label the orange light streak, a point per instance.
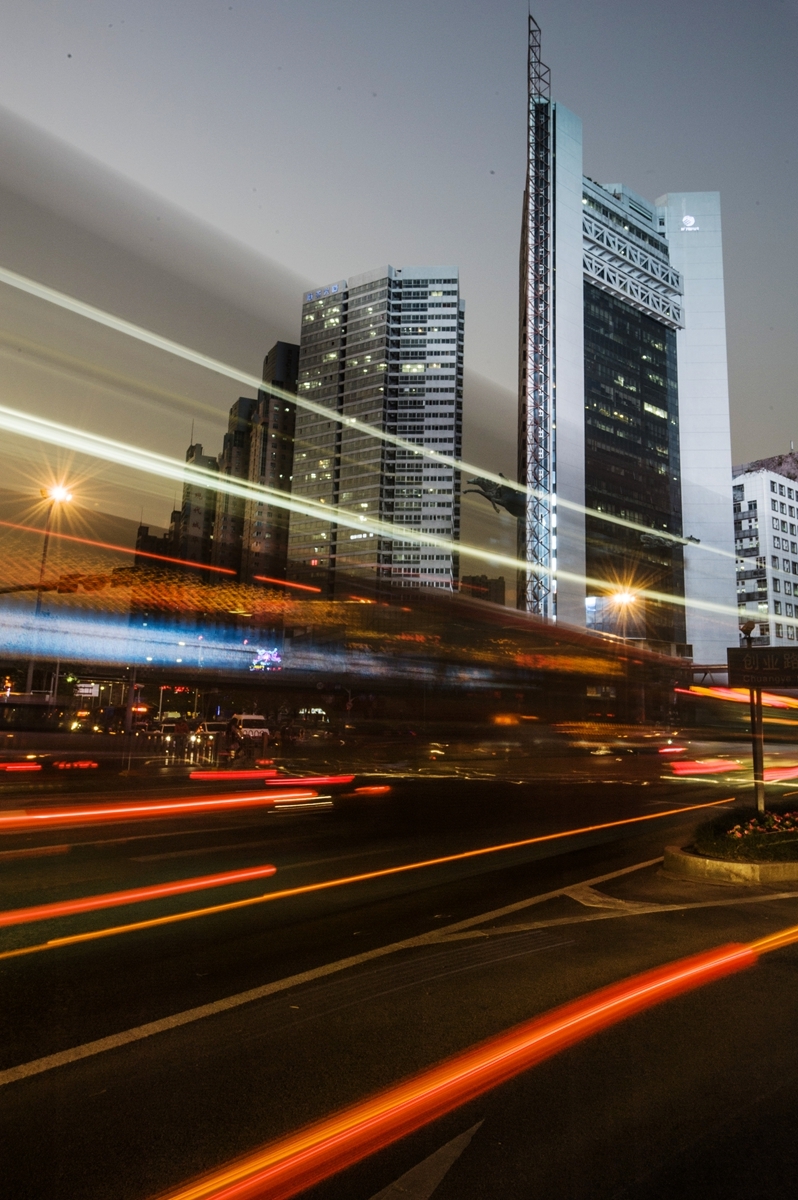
(27, 819)
(296, 1162)
(70, 537)
(739, 696)
(303, 587)
(66, 908)
(20, 766)
(368, 876)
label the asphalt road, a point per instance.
(359, 986)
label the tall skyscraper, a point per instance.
(228, 526)
(385, 347)
(195, 539)
(250, 537)
(623, 400)
(264, 538)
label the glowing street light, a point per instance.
(625, 602)
(57, 494)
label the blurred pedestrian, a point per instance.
(181, 737)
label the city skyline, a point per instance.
(700, 145)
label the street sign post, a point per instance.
(757, 667)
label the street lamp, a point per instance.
(625, 601)
(57, 494)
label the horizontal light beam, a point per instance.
(80, 308)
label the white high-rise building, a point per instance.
(385, 347)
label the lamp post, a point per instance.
(55, 495)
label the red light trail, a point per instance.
(327, 884)
(27, 819)
(709, 766)
(296, 1162)
(268, 776)
(66, 908)
(70, 537)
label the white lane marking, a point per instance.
(421, 1181)
(590, 898)
(641, 910)
(139, 1032)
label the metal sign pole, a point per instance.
(758, 748)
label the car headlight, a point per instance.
(168, 737)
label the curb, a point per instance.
(717, 870)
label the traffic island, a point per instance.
(740, 847)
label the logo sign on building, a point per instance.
(87, 689)
(689, 225)
(762, 667)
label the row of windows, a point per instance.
(781, 488)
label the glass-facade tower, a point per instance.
(623, 400)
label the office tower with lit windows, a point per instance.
(623, 400)
(766, 544)
(386, 348)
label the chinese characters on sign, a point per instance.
(763, 667)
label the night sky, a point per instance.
(193, 165)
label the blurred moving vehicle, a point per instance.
(207, 738)
(251, 725)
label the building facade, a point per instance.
(385, 347)
(264, 533)
(247, 537)
(766, 544)
(622, 397)
(481, 587)
(198, 510)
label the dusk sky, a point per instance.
(250, 148)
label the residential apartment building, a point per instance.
(386, 348)
(766, 545)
